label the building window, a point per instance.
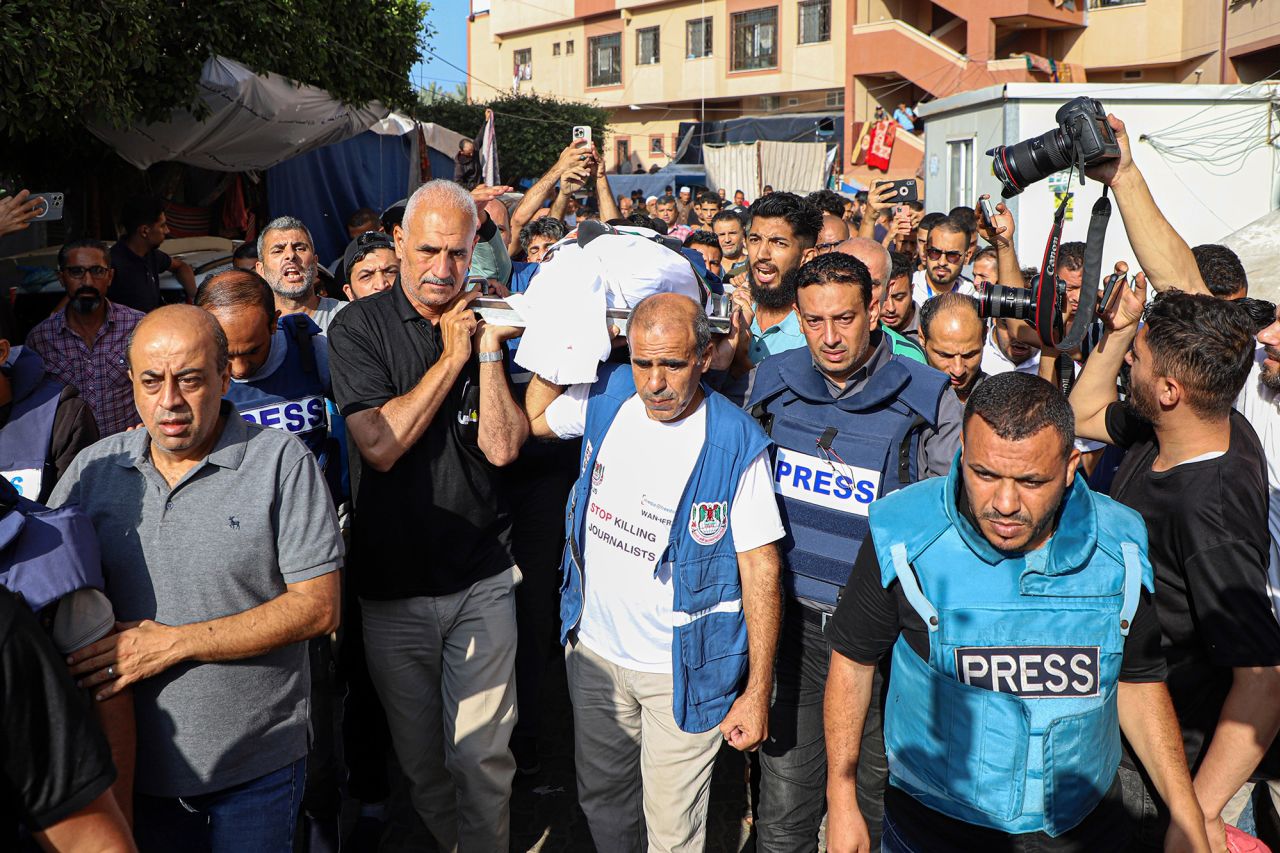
(836, 98)
(960, 172)
(655, 145)
(568, 47)
(755, 43)
(697, 38)
(523, 60)
(647, 46)
(769, 103)
(622, 152)
(555, 48)
(815, 21)
(606, 59)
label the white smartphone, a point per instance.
(582, 133)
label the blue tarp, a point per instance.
(675, 176)
(325, 186)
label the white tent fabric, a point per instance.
(254, 122)
(734, 166)
(798, 167)
(1258, 245)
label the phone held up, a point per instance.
(903, 190)
(582, 133)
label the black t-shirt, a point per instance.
(1209, 546)
(436, 522)
(865, 626)
(137, 279)
(54, 760)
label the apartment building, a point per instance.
(657, 63)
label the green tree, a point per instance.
(129, 61)
(532, 129)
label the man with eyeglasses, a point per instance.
(83, 344)
(834, 232)
(945, 254)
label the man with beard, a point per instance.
(952, 333)
(83, 345)
(420, 380)
(1196, 472)
(784, 232)
(287, 260)
(945, 253)
(1016, 604)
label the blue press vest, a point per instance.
(1012, 722)
(46, 553)
(708, 651)
(26, 437)
(834, 457)
(292, 398)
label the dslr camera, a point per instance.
(1082, 137)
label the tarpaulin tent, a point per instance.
(785, 127)
(254, 122)
(374, 169)
(799, 167)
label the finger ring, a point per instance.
(111, 671)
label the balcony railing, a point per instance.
(1108, 4)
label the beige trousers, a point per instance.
(642, 782)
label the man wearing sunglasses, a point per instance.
(945, 254)
(83, 344)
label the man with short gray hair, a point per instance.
(287, 260)
(420, 380)
(220, 551)
(671, 599)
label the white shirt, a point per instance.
(1261, 407)
(640, 474)
(922, 289)
(995, 362)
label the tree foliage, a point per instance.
(129, 61)
(532, 129)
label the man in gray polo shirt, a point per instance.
(220, 549)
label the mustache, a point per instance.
(1272, 353)
(428, 278)
(1020, 518)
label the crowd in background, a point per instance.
(301, 539)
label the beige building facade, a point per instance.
(655, 64)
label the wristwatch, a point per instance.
(486, 357)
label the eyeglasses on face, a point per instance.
(79, 272)
(935, 254)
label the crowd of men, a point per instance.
(863, 535)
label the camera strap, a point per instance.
(1048, 316)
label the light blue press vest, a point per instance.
(1012, 723)
(709, 646)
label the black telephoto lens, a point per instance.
(1017, 303)
(1021, 165)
